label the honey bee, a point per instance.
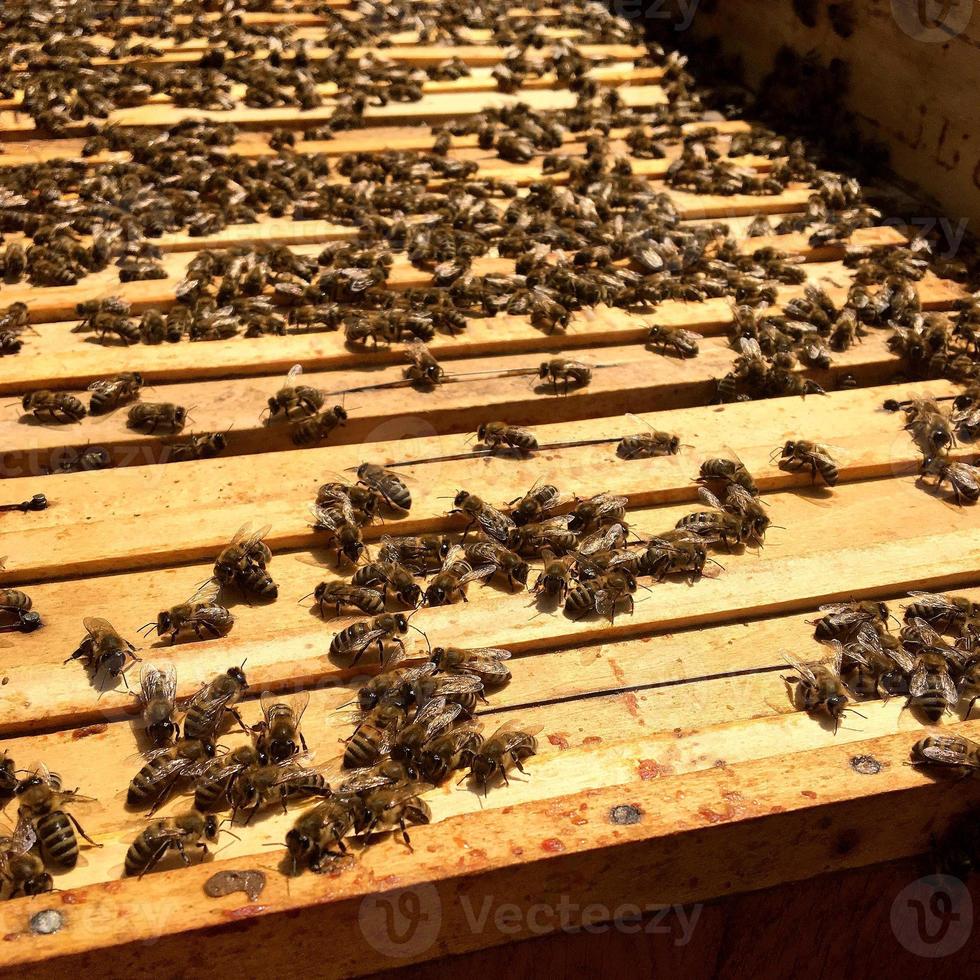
(340, 522)
(41, 802)
(750, 508)
(422, 554)
(354, 640)
(570, 373)
(206, 710)
(431, 719)
(963, 478)
(388, 575)
(727, 471)
(717, 525)
(374, 734)
(103, 649)
(20, 866)
(389, 485)
(555, 579)
(54, 406)
(496, 434)
(944, 613)
(245, 551)
(602, 509)
(449, 584)
(190, 829)
(15, 606)
(151, 417)
(510, 745)
(818, 687)
(449, 752)
(424, 370)
(672, 340)
(319, 427)
(800, 453)
(842, 620)
(501, 560)
(363, 501)
(535, 504)
(111, 393)
(486, 663)
(165, 767)
(158, 693)
(931, 688)
(201, 615)
(672, 553)
(955, 752)
(602, 594)
(931, 431)
(387, 807)
(339, 594)
(294, 401)
(552, 534)
(490, 520)
(279, 736)
(84, 461)
(206, 445)
(649, 444)
(311, 839)
(262, 783)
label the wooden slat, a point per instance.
(632, 381)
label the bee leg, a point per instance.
(155, 858)
(80, 829)
(405, 837)
(969, 710)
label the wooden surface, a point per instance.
(678, 711)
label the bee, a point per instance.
(944, 613)
(433, 718)
(246, 549)
(671, 340)
(354, 640)
(294, 401)
(818, 687)
(555, 579)
(424, 370)
(491, 521)
(449, 584)
(800, 453)
(214, 778)
(553, 533)
(496, 434)
(41, 802)
(364, 501)
(602, 594)
(206, 710)
(751, 509)
(190, 829)
(389, 485)
(158, 693)
(20, 866)
(201, 615)
(968, 683)
(388, 575)
(340, 522)
(649, 444)
(279, 736)
(206, 445)
(842, 620)
(321, 828)
(390, 687)
(387, 807)
(535, 504)
(15, 606)
(570, 373)
(501, 560)
(963, 478)
(449, 752)
(103, 649)
(260, 784)
(374, 735)
(931, 688)
(717, 524)
(602, 509)
(510, 745)
(486, 663)
(111, 393)
(955, 752)
(674, 552)
(339, 594)
(931, 431)
(727, 471)
(165, 768)
(151, 417)
(422, 553)
(84, 461)
(54, 406)
(319, 427)
(424, 685)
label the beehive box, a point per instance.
(672, 767)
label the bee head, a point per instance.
(543, 370)
(30, 621)
(180, 415)
(26, 402)
(162, 731)
(218, 441)
(39, 884)
(435, 595)
(238, 675)
(164, 622)
(211, 827)
(340, 412)
(401, 622)
(480, 432)
(457, 501)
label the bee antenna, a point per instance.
(148, 626)
(301, 598)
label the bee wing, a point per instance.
(294, 372)
(801, 668)
(479, 572)
(750, 346)
(496, 524)
(919, 681)
(607, 502)
(96, 627)
(636, 418)
(157, 683)
(437, 714)
(837, 658)
(454, 556)
(298, 703)
(557, 523)
(966, 474)
(513, 733)
(738, 497)
(601, 540)
(207, 594)
(948, 688)
(928, 635)
(460, 684)
(325, 517)
(24, 836)
(370, 636)
(708, 498)
(253, 539)
(240, 534)
(948, 751)
(361, 780)
(104, 384)
(902, 659)
(418, 352)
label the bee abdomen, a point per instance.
(579, 600)
(140, 855)
(58, 843)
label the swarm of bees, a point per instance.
(932, 661)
